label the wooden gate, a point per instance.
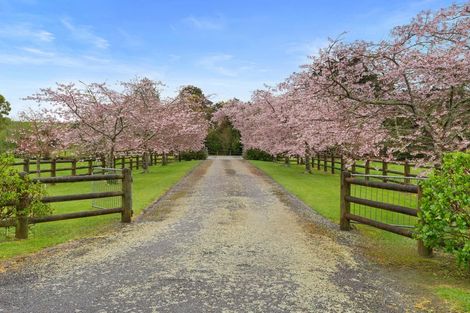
(392, 207)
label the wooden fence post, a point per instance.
(422, 249)
(26, 166)
(318, 161)
(131, 162)
(342, 164)
(344, 223)
(74, 167)
(332, 164)
(324, 163)
(406, 172)
(384, 170)
(90, 167)
(126, 215)
(353, 167)
(53, 168)
(21, 231)
(367, 169)
(123, 162)
(137, 163)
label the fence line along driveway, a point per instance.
(225, 239)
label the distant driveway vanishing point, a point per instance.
(225, 239)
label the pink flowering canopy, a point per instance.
(98, 120)
(406, 95)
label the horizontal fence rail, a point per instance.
(373, 167)
(76, 166)
(21, 221)
(388, 206)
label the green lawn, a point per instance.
(321, 191)
(459, 298)
(146, 188)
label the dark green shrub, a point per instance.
(13, 188)
(194, 155)
(445, 207)
(257, 154)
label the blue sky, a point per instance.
(228, 48)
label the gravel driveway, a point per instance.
(225, 239)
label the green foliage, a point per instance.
(257, 154)
(198, 101)
(224, 139)
(5, 107)
(445, 207)
(15, 189)
(8, 128)
(194, 155)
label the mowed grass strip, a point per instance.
(146, 188)
(321, 191)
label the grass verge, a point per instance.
(320, 191)
(146, 188)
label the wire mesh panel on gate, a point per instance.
(397, 198)
(106, 186)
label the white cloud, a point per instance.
(174, 57)
(36, 58)
(85, 34)
(38, 51)
(214, 63)
(24, 31)
(129, 39)
(205, 23)
(307, 48)
(227, 65)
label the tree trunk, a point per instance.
(164, 159)
(110, 159)
(38, 166)
(287, 161)
(145, 162)
(308, 168)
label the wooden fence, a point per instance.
(22, 220)
(408, 196)
(76, 166)
(331, 163)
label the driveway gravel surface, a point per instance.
(224, 239)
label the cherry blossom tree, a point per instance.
(407, 95)
(95, 116)
(414, 86)
(39, 134)
(102, 121)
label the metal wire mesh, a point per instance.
(105, 186)
(404, 199)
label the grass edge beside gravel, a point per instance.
(147, 188)
(320, 191)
